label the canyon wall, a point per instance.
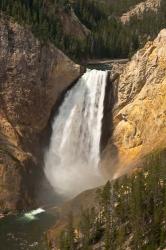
(140, 9)
(139, 112)
(33, 76)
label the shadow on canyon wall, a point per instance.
(107, 125)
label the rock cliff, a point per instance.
(140, 9)
(139, 112)
(33, 75)
(72, 26)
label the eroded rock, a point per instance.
(140, 9)
(139, 114)
(33, 76)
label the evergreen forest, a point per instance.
(129, 212)
(108, 37)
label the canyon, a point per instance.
(54, 111)
(33, 79)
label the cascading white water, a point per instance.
(71, 162)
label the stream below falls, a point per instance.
(25, 231)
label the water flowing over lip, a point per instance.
(71, 162)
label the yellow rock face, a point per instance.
(140, 112)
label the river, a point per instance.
(25, 231)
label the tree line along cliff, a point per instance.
(99, 34)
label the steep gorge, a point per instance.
(34, 77)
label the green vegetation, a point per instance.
(109, 38)
(43, 19)
(132, 211)
(67, 237)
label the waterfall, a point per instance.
(71, 162)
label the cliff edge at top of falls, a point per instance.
(139, 112)
(32, 78)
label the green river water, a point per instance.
(25, 232)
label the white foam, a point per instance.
(32, 214)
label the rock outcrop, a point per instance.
(32, 78)
(72, 26)
(140, 9)
(139, 113)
